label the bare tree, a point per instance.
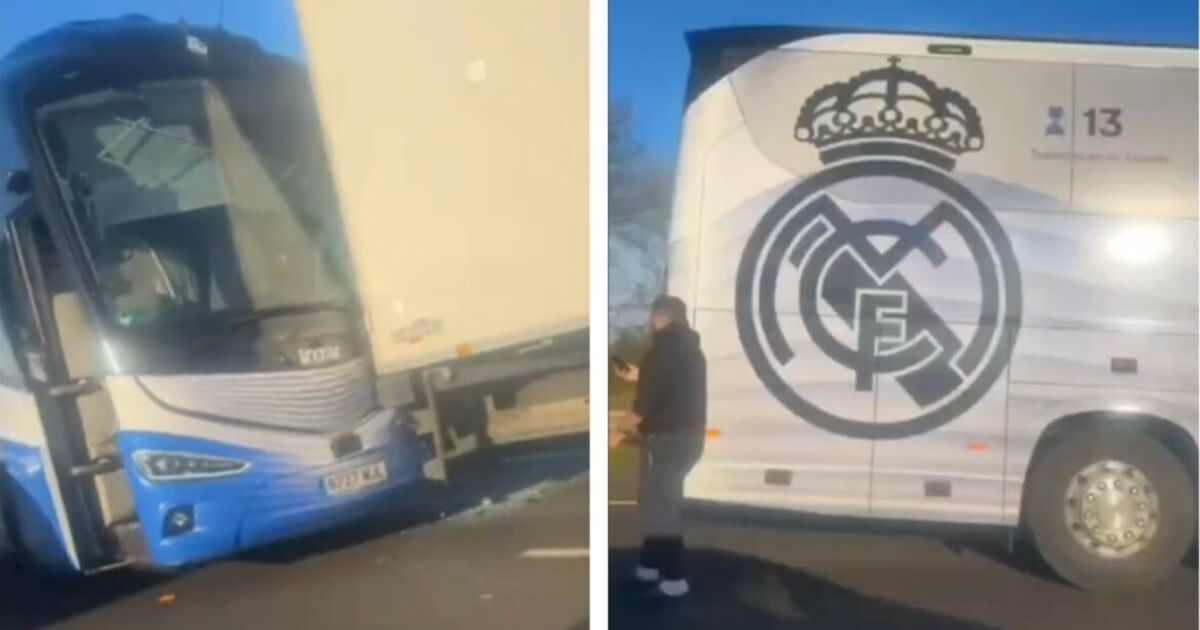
(639, 200)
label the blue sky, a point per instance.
(647, 58)
(272, 22)
(648, 61)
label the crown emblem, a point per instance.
(897, 110)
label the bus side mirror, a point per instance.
(18, 182)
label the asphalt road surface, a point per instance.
(509, 552)
(752, 570)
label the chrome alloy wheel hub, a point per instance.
(1111, 509)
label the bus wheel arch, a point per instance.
(1086, 448)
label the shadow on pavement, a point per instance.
(987, 541)
(474, 481)
(1022, 557)
(737, 591)
(29, 600)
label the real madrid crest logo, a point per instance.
(808, 256)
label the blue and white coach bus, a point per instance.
(183, 371)
(948, 279)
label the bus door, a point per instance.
(60, 352)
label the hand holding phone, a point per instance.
(624, 369)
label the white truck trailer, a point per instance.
(458, 137)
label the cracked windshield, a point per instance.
(294, 314)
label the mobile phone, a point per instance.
(619, 364)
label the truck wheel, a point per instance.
(1109, 511)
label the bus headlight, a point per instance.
(162, 466)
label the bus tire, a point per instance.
(1071, 472)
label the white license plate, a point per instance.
(355, 479)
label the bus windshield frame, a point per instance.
(199, 205)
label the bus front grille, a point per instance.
(320, 400)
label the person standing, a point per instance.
(669, 412)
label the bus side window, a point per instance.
(11, 372)
(24, 333)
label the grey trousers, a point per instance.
(666, 459)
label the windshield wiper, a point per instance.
(282, 311)
(231, 323)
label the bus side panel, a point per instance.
(1111, 282)
(27, 486)
(965, 457)
(1135, 131)
(955, 472)
(759, 440)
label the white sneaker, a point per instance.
(673, 588)
(646, 574)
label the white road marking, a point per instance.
(555, 554)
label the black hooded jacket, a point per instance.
(672, 388)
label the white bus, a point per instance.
(184, 367)
(949, 280)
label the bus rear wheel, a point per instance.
(1111, 511)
